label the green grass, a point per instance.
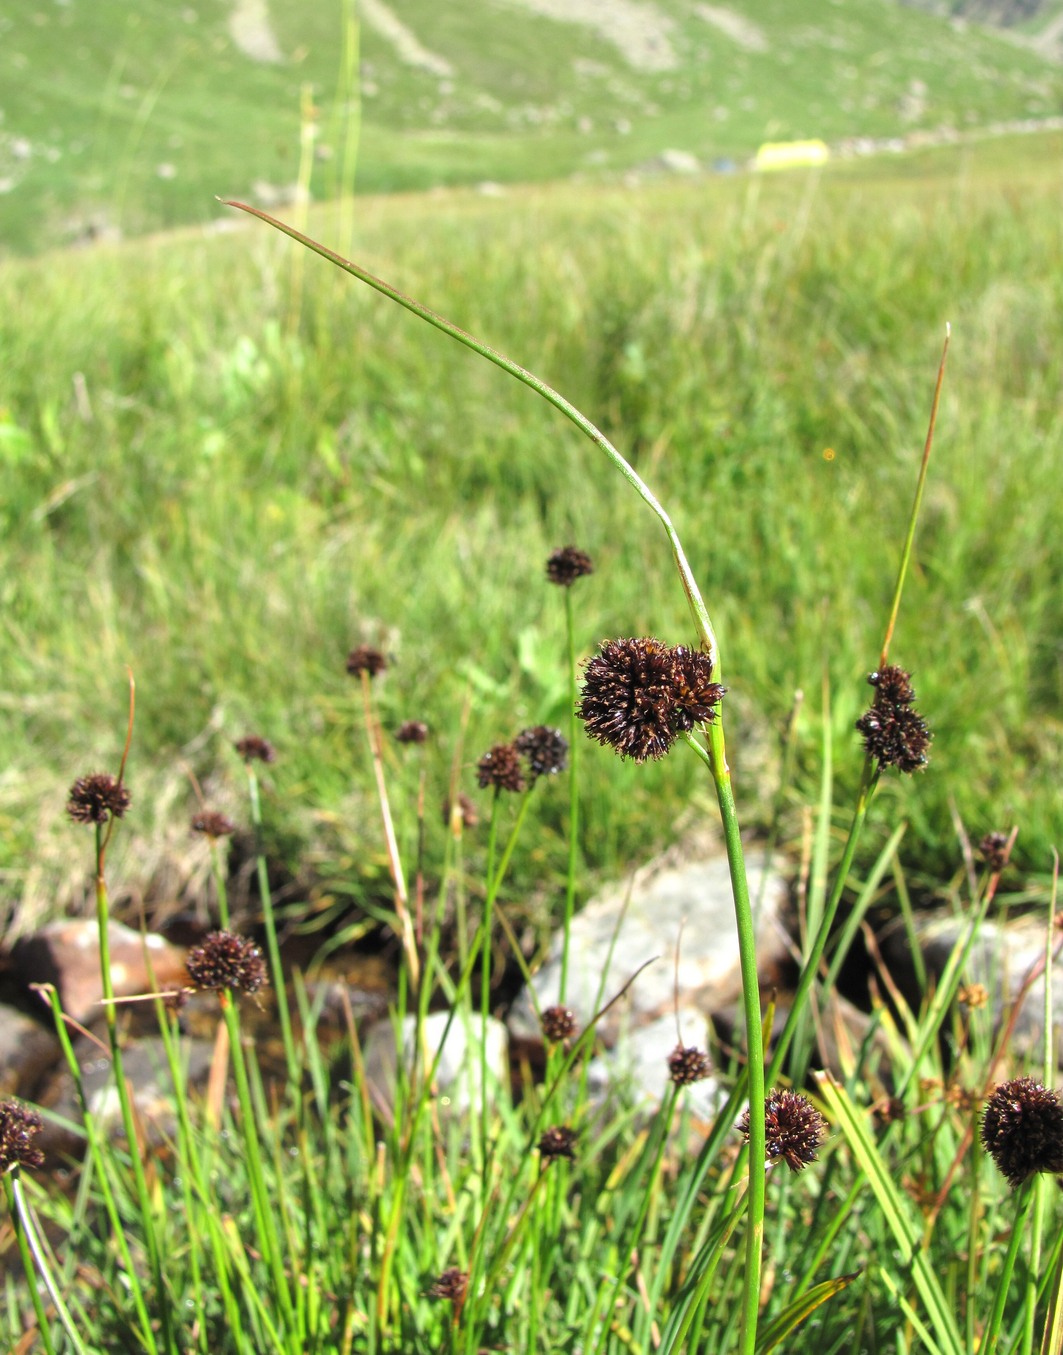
(134, 119)
(290, 1217)
(253, 494)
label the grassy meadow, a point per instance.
(120, 119)
(224, 464)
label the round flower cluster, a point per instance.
(687, 1064)
(365, 659)
(1022, 1129)
(793, 1128)
(97, 798)
(500, 767)
(412, 731)
(225, 960)
(640, 695)
(560, 1141)
(558, 1023)
(544, 749)
(19, 1126)
(212, 824)
(254, 748)
(893, 730)
(451, 1285)
(567, 565)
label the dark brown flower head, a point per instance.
(793, 1128)
(893, 731)
(893, 686)
(212, 824)
(225, 960)
(567, 565)
(546, 750)
(413, 731)
(639, 696)
(889, 1110)
(558, 1023)
(1022, 1130)
(500, 767)
(365, 659)
(19, 1126)
(254, 748)
(972, 995)
(696, 695)
(462, 814)
(897, 736)
(996, 850)
(687, 1064)
(97, 798)
(560, 1141)
(451, 1285)
(627, 702)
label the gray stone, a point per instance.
(678, 162)
(66, 953)
(148, 1075)
(27, 1050)
(457, 1080)
(636, 1068)
(1001, 958)
(608, 943)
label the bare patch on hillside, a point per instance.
(252, 33)
(742, 31)
(640, 32)
(407, 46)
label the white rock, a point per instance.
(457, 1079)
(696, 897)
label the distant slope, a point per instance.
(126, 118)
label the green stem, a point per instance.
(34, 1262)
(119, 1231)
(551, 396)
(1026, 1194)
(573, 795)
(868, 781)
(913, 517)
(125, 1100)
(747, 952)
(267, 1233)
(272, 946)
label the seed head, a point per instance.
(213, 825)
(451, 1285)
(995, 849)
(639, 696)
(889, 1110)
(97, 798)
(793, 1128)
(687, 1064)
(1022, 1130)
(254, 748)
(567, 565)
(893, 731)
(19, 1126)
(558, 1023)
(413, 731)
(893, 686)
(467, 814)
(500, 767)
(546, 750)
(365, 659)
(560, 1141)
(225, 960)
(696, 695)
